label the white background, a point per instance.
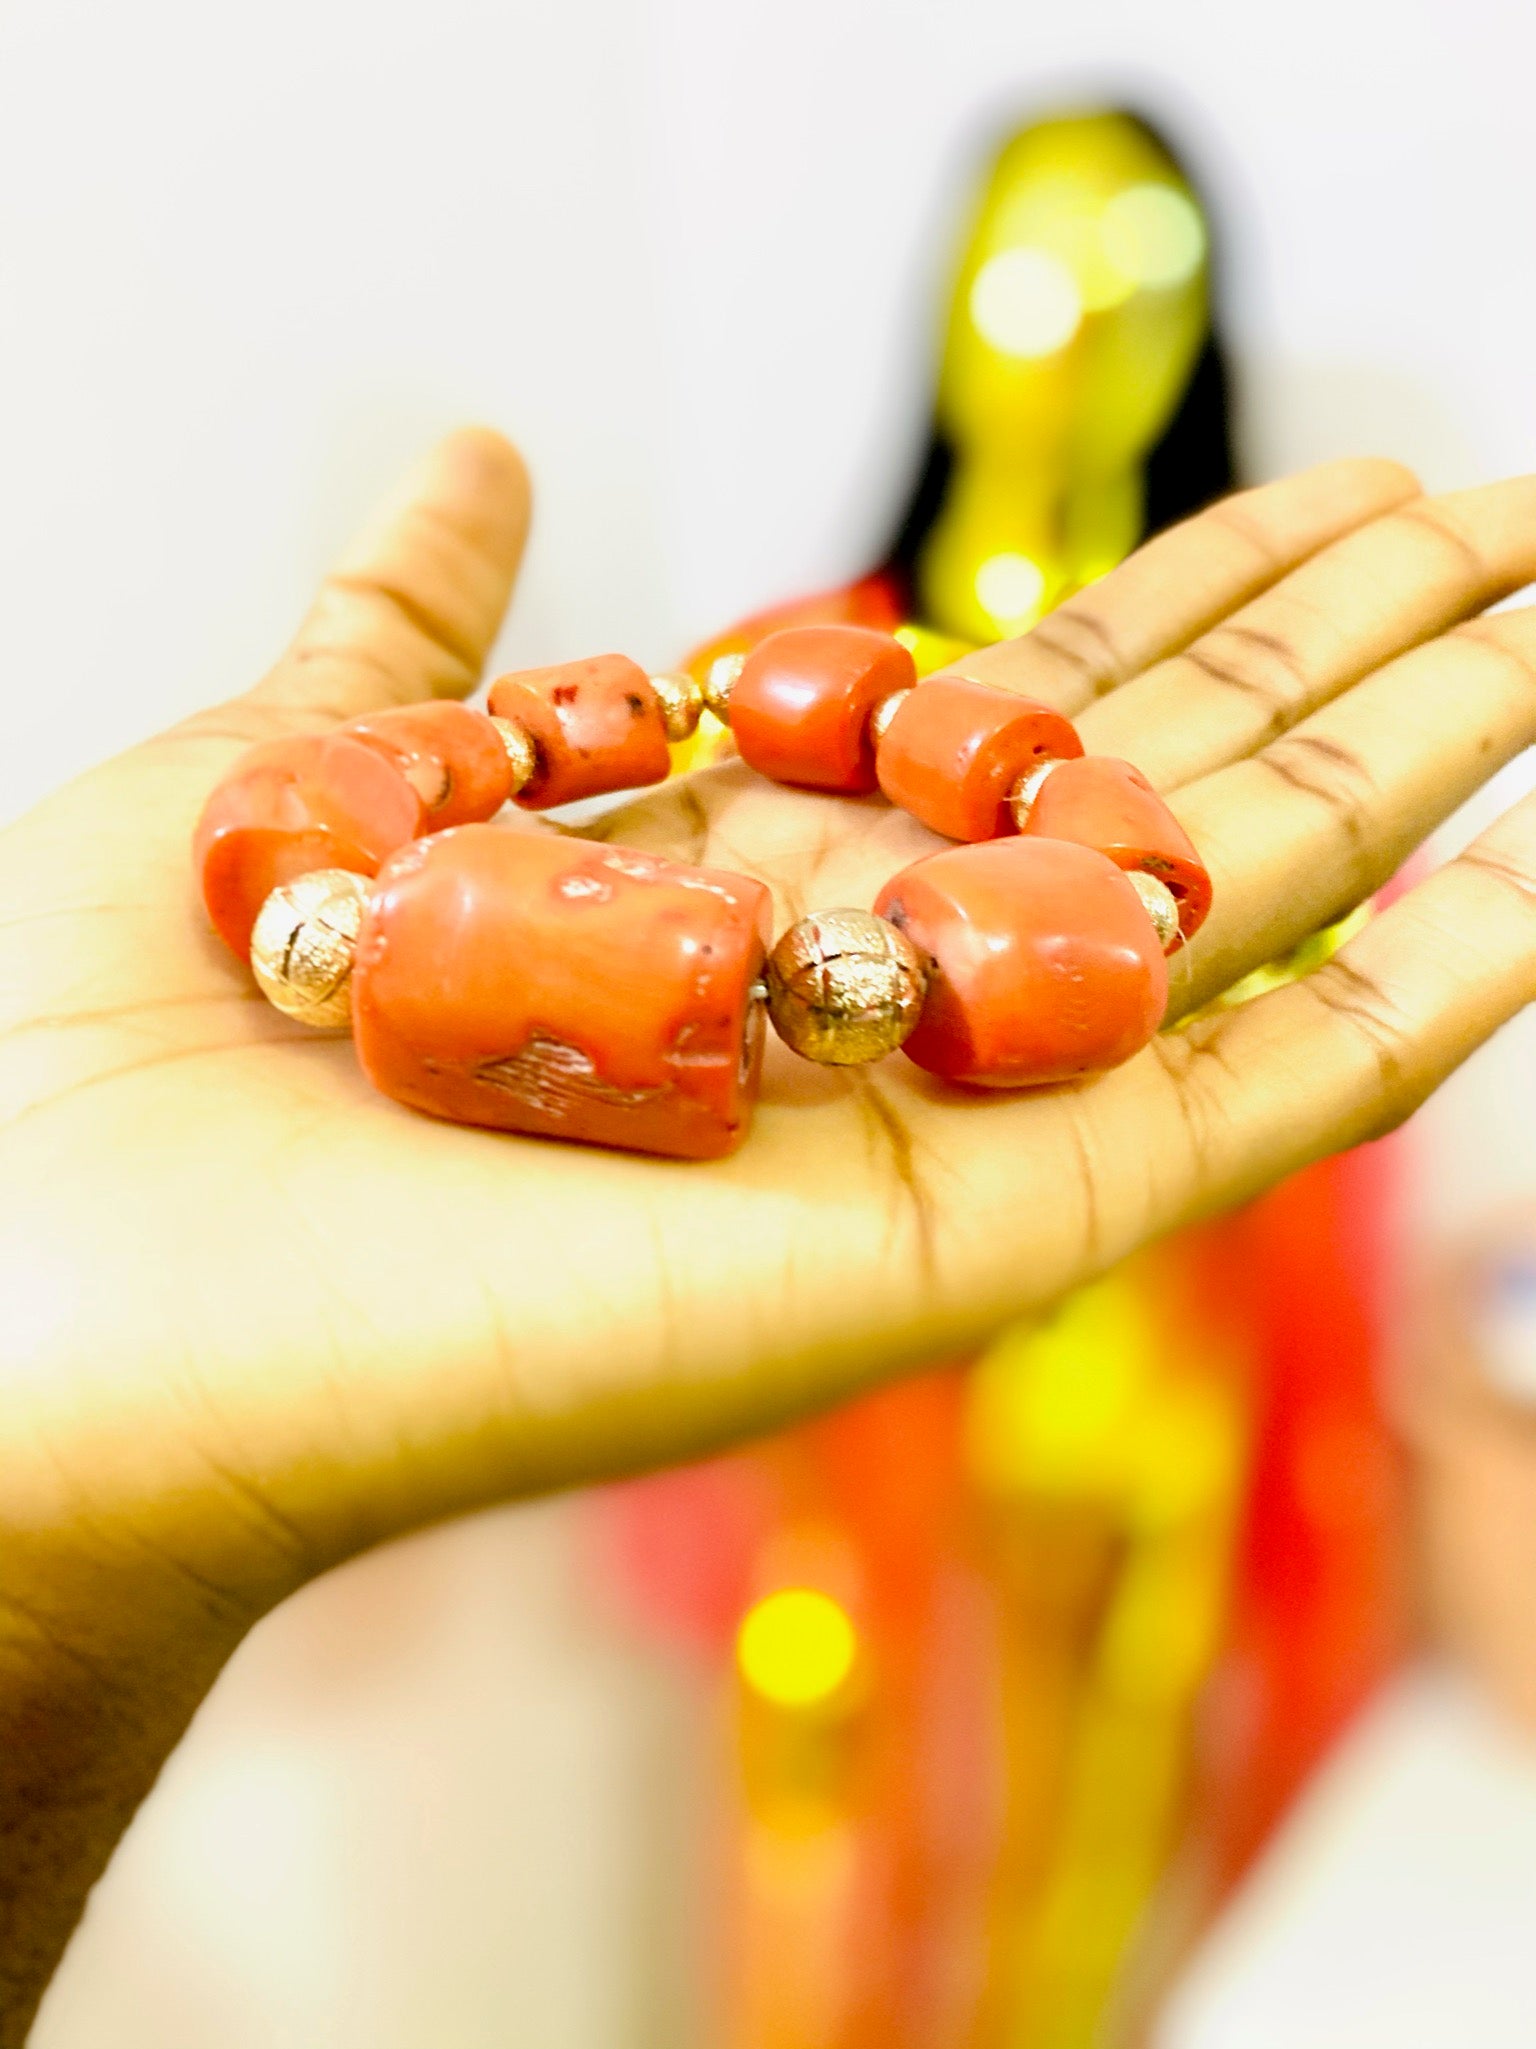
(250, 260)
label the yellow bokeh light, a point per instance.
(1290, 967)
(1010, 589)
(796, 1647)
(1057, 1409)
(1153, 235)
(1026, 303)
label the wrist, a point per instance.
(103, 1662)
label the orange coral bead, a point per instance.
(800, 708)
(291, 806)
(873, 601)
(1111, 806)
(452, 758)
(597, 725)
(1045, 965)
(556, 986)
(956, 748)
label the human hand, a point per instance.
(256, 1318)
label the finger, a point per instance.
(1181, 584)
(1298, 834)
(1294, 836)
(1377, 592)
(1348, 1053)
(413, 606)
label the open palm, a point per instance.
(257, 1317)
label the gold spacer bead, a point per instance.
(522, 751)
(1161, 907)
(845, 987)
(682, 702)
(303, 942)
(1021, 798)
(880, 718)
(720, 682)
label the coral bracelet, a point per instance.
(547, 984)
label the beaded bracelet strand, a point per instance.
(568, 988)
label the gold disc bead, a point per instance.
(719, 682)
(682, 702)
(303, 942)
(1161, 907)
(845, 987)
(522, 751)
(880, 718)
(1021, 798)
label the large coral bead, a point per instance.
(560, 987)
(956, 749)
(801, 707)
(1045, 966)
(1109, 805)
(291, 806)
(597, 725)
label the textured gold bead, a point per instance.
(720, 682)
(522, 752)
(1161, 906)
(1021, 798)
(845, 987)
(681, 700)
(302, 945)
(880, 718)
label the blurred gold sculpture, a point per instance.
(1078, 313)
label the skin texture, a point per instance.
(257, 1318)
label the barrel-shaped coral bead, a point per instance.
(800, 709)
(1109, 805)
(556, 986)
(597, 724)
(956, 748)
(451, 756)
(289, 807)
(1045, 965)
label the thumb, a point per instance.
(414, 604)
